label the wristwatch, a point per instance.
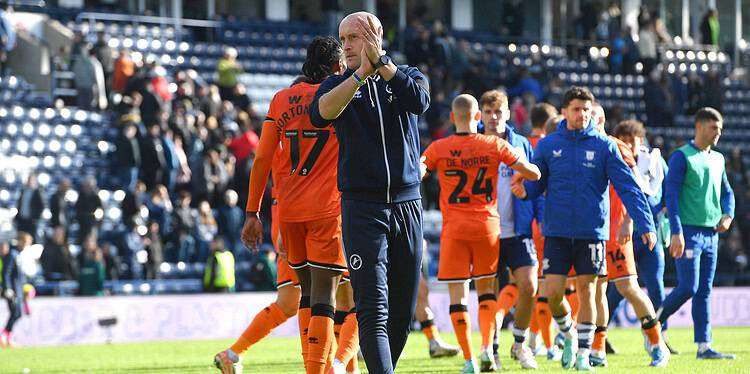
(382, 61)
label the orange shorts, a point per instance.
(620, 260)
(285, 276)
(536, 235)
(314, 243)
(462, 259)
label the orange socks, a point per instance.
(572, 297)
(349, 341)
(462, 327)
(544, 319)
(600, 338)
(652, 329)
(319, 338)
(487, 312)
(508, 297)
(429, 329)
(303, 319)
(266, 320)
(534, 325)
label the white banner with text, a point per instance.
(83, 320)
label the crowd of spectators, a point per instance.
(182, 155)
(184, 147)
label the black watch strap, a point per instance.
(379, 64)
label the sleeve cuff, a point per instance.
(398, 82)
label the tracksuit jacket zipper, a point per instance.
(382, 133)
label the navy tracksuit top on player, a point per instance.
(12, 276)
(378, 135)
(381, 209)
(577, 167)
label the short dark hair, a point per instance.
(322, 53)
(577, 93)
(540, 113)
(708, 114)
(629, 127)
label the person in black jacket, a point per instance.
(374, 107)
(128, 156)
(86, 206)
(230, 218)
(131, 205)
(11, 290)
(56, 260)
(183, 226)
(58, 206)
(30, 207)
(153, 157)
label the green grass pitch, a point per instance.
(282, 355)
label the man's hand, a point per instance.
(625, 233)
(649, 239)
(677, 247)
(252, 232)
(365, 68)
(516, 186)
(373, 42)
(723, 224)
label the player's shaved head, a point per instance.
(464, 104)
(465, 113)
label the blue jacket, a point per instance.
(12, 276)
(577, 167)
(230, 220)
(524, 211)
(378, 136)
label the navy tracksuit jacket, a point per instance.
(378, 175)
(12, 278)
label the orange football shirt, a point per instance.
(617, 209)
(306, 163)
(467, 167)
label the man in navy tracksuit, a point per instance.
(374, 107)
(11, 289)
(577, 165)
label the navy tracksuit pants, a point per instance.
(695, 278)
(383, 245)
(14, 311)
